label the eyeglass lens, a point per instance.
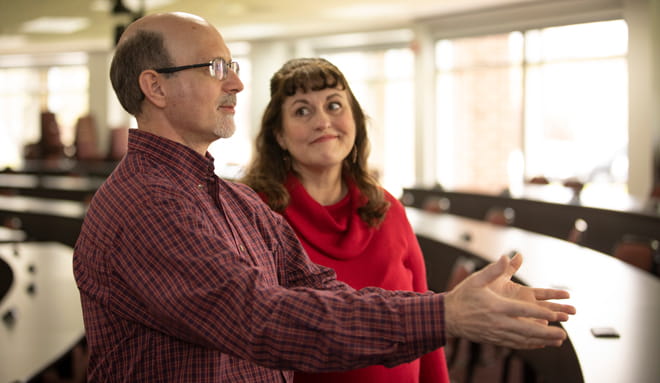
(221, 67)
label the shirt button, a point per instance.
(242, 248)
(200, 186)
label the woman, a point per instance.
(310, 165)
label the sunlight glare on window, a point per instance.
(591, 40)
(576, 95)
(68, 97)
(551, 93)
(19, 113)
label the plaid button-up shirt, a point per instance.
(185, 277)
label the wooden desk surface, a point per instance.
(605, 291)
(11, 235)
(66, 166)
(61, 182)
(48, 322)
(546, 210)
(73, 188)
(45, 219)
(45, 206)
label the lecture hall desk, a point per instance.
(41, 312)
(45, 219)
(76, 188)
(11, 235)
(605, 291)
(553, 209)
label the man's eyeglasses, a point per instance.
(217, 67)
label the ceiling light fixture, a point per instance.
(57, 25)
(120, 8)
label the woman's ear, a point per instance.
(280, 141)
(151, 85)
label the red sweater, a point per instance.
(388, 257)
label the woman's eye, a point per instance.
(334, 105)
(301, 112)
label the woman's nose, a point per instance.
(322, 120)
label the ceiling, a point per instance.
(90, 24)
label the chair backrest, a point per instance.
(462, 268)
(118, 143)
(539, 180)
(498, 215)
(578, 231)
(641, 252)
(655, 192)
(87, 147)
(435, 204)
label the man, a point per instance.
(185, 277)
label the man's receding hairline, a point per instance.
(150, 23)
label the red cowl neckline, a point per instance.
(337, 228)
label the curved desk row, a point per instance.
(553, 211)
(73, 188)
(65, 166)
(11, 235)
(605, 291)
(41, 312)
(45, 219)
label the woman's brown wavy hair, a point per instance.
(271, 164)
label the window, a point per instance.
(382, 81)
(479, 109)
(25, 92)
(576, 102)
(19, 112)
(522, 104)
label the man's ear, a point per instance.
(151, 85)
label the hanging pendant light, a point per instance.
(120, 8)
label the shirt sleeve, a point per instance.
(183, 276)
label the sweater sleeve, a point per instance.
(433, 366)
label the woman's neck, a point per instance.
(326, 188)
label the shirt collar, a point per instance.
(173, 154)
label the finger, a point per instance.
(527, 343)
(545, 294)
(559, 308)
(516, 262)
(535, 329)
(517, 308)
(524, 334)
(489, 273)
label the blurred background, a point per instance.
(479, 95)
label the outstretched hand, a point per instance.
(488, 307)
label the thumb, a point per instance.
(514, 264)
(490, 273)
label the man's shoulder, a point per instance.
(243, 197)
(140, 170)
(240, 188)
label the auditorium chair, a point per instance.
(436, 204)
(461, 354)
(578, 231)
(639, 251)
(539, 180)
(471, 362)
(503, 216)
